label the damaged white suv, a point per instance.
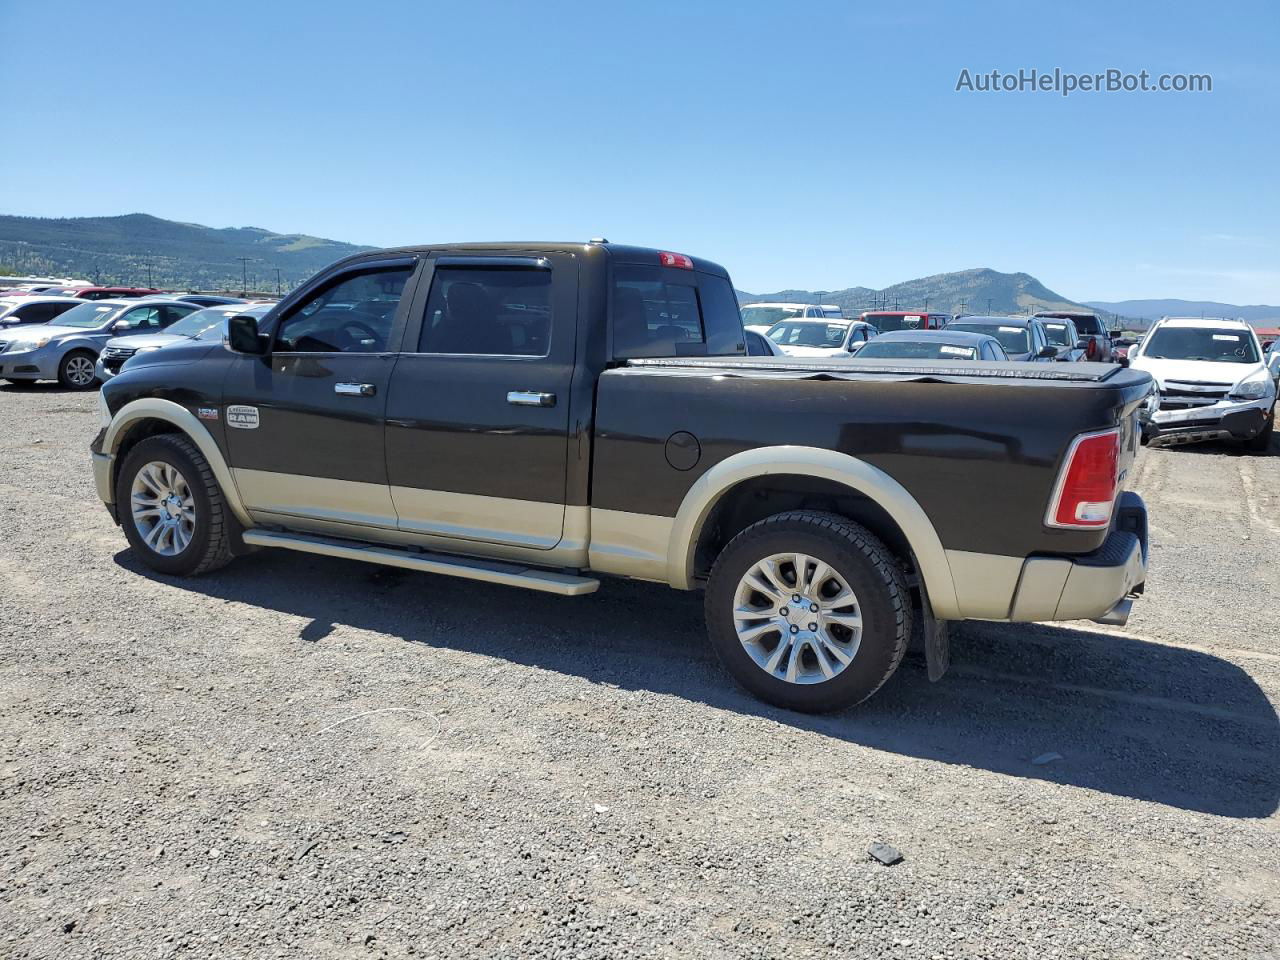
(1212, 379)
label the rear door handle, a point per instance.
(531, 398)
(355, 389)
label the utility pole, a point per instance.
(277, 281)
(149, 284)
(926, 304)
(989, 299)
(244, 274)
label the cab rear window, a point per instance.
(664, 312)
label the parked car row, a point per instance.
(911, 334)
(56, 330)
(88, 342)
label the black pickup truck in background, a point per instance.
(1093, 334)
(544, 414)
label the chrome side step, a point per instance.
(491, 571)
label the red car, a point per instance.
(104, 293)
(893, 320)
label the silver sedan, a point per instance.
(67, 351)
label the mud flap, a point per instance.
(937, 639)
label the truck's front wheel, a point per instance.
(172, 510)
(808, 611)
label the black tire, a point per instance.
(867, 567)
(68, 379)
(210, 546)
(1262, 442)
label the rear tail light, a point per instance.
(675, 260)
(1091, 348)
(1088, 484)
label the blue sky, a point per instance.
(816, 145)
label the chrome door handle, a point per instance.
(531, 398)
(354, 389)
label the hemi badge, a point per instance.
(207, 413)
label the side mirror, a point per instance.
(1047, 351)
(120, 325)
(1123, 361)
(243, 336)
(1082, 344)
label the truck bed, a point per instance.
(919, 370)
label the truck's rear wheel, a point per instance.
(172, 510)
(808, 611)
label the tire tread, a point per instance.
(218, 546)
(862, 540)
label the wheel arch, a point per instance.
(881, 504)
(152, 416)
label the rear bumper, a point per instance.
(1094, 586)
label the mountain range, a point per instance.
(138, 248)
(980, 290)
(1259, 313)
(142, 249)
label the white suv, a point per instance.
(1212, 379)
(761, 316)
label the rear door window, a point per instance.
(667, 312)
(488, 311)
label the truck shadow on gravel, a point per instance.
(1126, 717)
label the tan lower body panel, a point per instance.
(366, 511)
(985, 583)
(464, 516)
(630, 544)
(319, 498)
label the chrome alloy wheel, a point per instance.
(164, 510)
(80, 371)
(797, 618)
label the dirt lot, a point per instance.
(306, 757)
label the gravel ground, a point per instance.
(305, 757)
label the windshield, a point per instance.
(1058, 334)
(888, 322)
(1013, 339)
(1216, 344)
(917, 350)
(767, 316)
(88, 315)
(193, 323)
(810, 333)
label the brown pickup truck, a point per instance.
(545, 415)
